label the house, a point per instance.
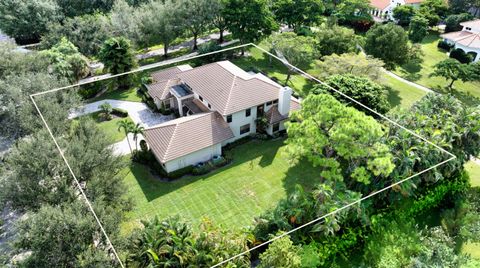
(384, 8)
(217, 104)
(468, 39)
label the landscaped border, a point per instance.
(305, 74)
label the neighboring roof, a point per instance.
(161, 90)
(295, 104)
(464, 38)
(229, 89)
(169, 73)
(273, 115)
(186, 135)
(380, 4)
(472, 23)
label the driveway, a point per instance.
(138, 112)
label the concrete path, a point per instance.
(153, 65)
(138, 112)
(426, 89)
(122, 147)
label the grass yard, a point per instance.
(126, 95)
(232, 196)
(419, 73)
(402, 94)
(109, 128)
(474, 170)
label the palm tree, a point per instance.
(137, 129)
(127, 127)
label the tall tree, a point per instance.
(87, 33)
(137, 130)
(67, 61)
(218, 11)
(159, 23)
(341, 141)
(359, 88)
(388, 42)
(249, 20)
(336, 39)
(118, 57)
(404, 14)
(196, 16)
(418, 29)
(125, 21)
(72, 8)
(351, 63)
(452, 22)
(298, 13)
(433, 11)
(26, 21)
(127, 127)
(452, 69)
(297, 50)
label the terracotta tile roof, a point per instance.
(229, 89)
(380, 4)
(273, 115)
(186, 135)
(161, 90)
(472, 23)
(468, 39)
(169, 73)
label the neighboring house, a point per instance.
(384, 8)
(468, 39)
(218, 103)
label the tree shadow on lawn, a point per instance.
(393, 97)
(301, 173)
(411, 70)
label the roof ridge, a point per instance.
(170, 142)
(230, 93)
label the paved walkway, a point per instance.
(138, 112)
(426, 89)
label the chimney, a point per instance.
(284, 95)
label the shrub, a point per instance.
(460, 55)
(204, 169)
(89, 91)
(120, 112)
(180, 172)
(444, 45)
(304, 31)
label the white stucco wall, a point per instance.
(194, 158)
(239, 119)
(281, 127)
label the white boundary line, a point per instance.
(167, 62)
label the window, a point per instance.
(200, 97)
(269, 103)
(229, 118)
(167, 105)
(247, 112)
(275, 101)
(276, 127)
(244, 129)
(469, 29)
(209, 106)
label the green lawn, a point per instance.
(419, 73)
(259, 176)
(474, 170)
(126, 95)
(109, 128)
(402, 94)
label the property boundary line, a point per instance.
(173, 61)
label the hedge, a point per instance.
(120, 112)
(444, 45)
(460, 55)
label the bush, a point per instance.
(120, 112)
(304, 31)
(89, 91)
(444, 45)
(180, 172)
(240, 141)
(203, 169)
(460, 55)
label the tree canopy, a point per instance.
(351, 63)
(388, 42)
(298, 13)
(336, 39)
